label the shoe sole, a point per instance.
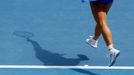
(113, 62)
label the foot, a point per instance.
(93, 43)
(114, 53)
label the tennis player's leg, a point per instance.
(93, 40)
(97, 31)
(100, 15)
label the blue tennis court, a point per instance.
(57, 31)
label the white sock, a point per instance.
(110, 46)
(111, 49)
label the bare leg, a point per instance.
(97, 32)
(100, 15)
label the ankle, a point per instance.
(110, 47)
(94, 38)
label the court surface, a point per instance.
(59, 29)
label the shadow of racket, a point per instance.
(23, 34)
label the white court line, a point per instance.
(65, 67)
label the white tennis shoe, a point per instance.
(93, 43)
(113, 56)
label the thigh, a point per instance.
(99, 10)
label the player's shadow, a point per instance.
(55, 59)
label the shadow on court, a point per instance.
(85, 71)
(53, 59)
